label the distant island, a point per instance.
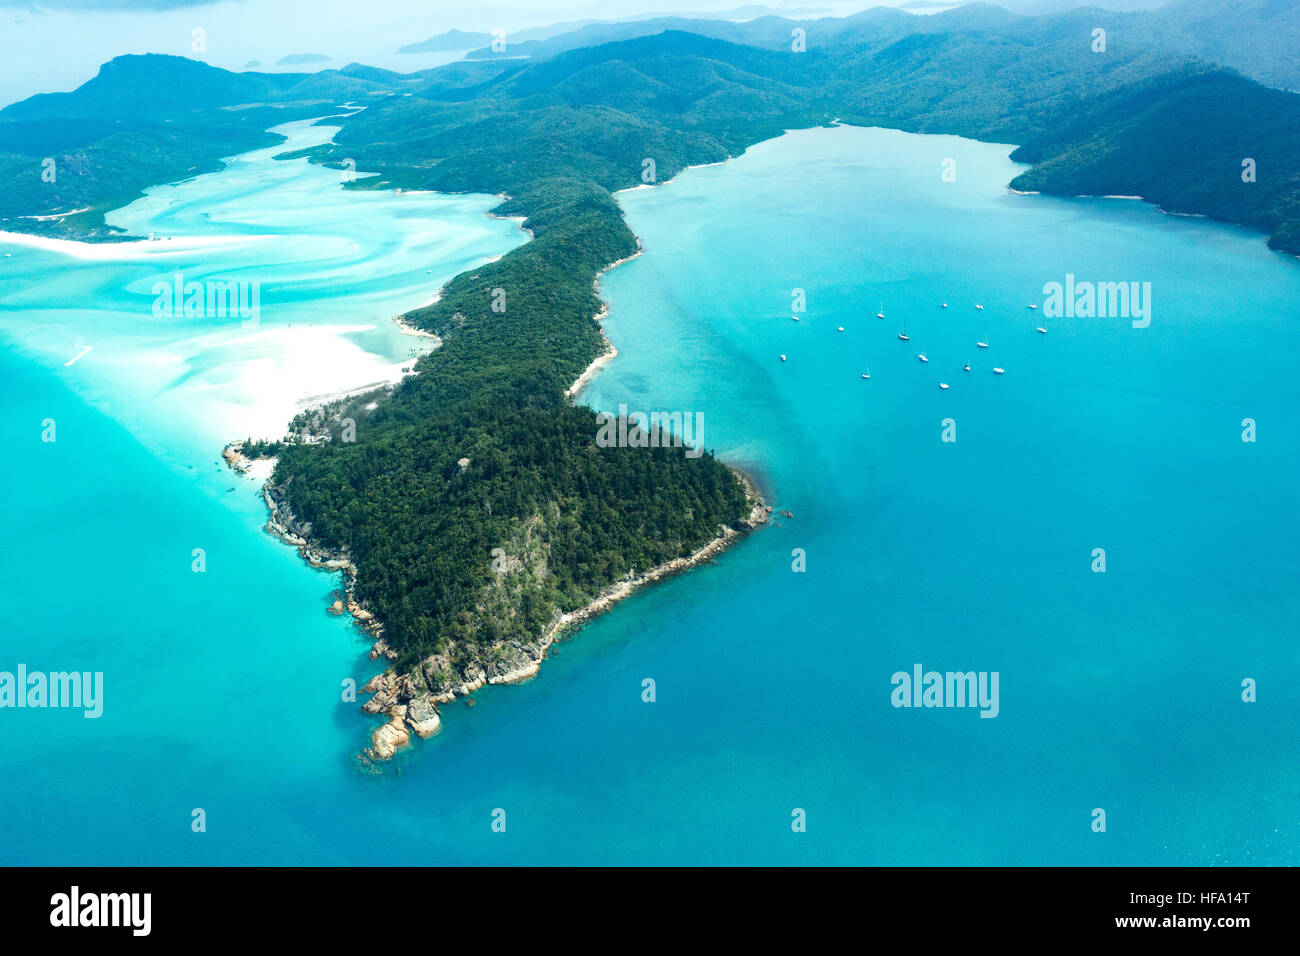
(451, 40)
(301, 59)
(473, 513)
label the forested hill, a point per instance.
(1102, 119)
(598, 111)
(1255, 37)
(558, 136)
(482, 451)
(145, 120)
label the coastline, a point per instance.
(600, 361)
(610, 352)
(410, 709)
(124, 248)
(399, 697)
(410, 700)
(406, 328)
(406, 699)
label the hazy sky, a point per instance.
(49, 45)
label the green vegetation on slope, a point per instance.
(559, 136)
(141, 121)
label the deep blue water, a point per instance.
(1118, 690)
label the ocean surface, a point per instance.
(1118, 690)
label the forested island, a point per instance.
(472, 508)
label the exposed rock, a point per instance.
(389, 738)
(423, 717)
(474, 678)
(406, 689)
(376, 682)
(384, 687)
(516, 663)
(234, 456)
(337, 608)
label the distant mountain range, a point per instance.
(1261, 38)
(1038, 7)
(302, 59)
(1256, 37)
(977, 70)
(526, 39)
(451, 40)
(149, 119)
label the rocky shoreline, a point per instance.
(411, 700)
(285, 525)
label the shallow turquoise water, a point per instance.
(1118, 690)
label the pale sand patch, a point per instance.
(311, 366)
(118, 251)
(590, 372)
(260, 470)
(251, 383)
(56, 215)
(610, 353)
(406, 328)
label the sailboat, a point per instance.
(782, 358)
(922, 356)
(967, 365)
(945, 305)
(867, 373)
(944, 386)
(903, 334)
(881, 313)
(983, 344)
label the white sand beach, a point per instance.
(121, 251)
(255, 382)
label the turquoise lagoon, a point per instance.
(1119, 691)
